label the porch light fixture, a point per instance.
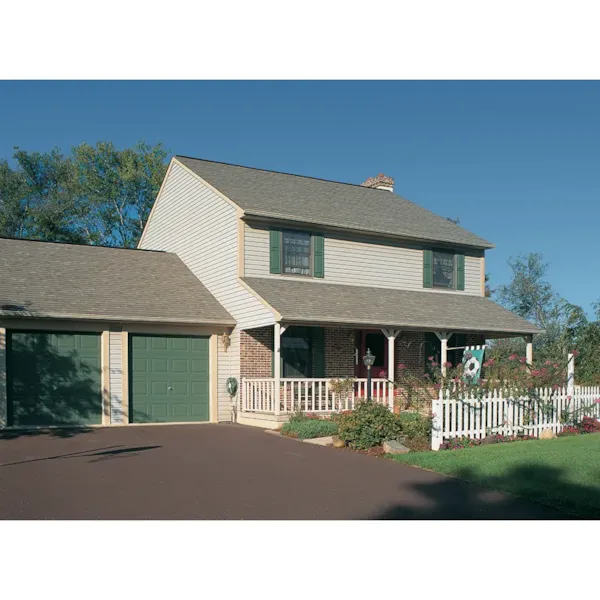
(226, 339)
(369, 360)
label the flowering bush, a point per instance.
(465, 442)
(586, 425)
(589, 425)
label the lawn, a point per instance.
(563, 473)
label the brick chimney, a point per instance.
(381, 182)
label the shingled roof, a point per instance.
(328, 203)
(41, 279)
(315, 302)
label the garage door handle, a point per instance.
(170, 388)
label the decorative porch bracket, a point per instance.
(444, 336)
(391, 335)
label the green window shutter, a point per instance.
(427, 268)
(318, 349)
(319, 256)
(275, 251)
(460, 271)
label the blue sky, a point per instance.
(517, 162)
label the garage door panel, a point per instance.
(175, 371)
(159, 365)
(157, 343)
(54, 378)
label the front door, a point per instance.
(376, 342)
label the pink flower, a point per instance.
(555, 386)
(447, 364)
(548, 362)
(513, 357)
(401, 366)
(597, 400)
(555, 365)
(430, 358)
(523, 360)
(575, 352)
(437, 386)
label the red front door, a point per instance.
(375, 341)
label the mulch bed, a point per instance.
(376, 451)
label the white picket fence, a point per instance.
(478, 417)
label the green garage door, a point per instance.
(53, 378)
(169, 379)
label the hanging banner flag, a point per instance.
(472, 361)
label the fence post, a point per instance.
(571, 375)
(437, 407)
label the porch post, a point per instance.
(443, 337)
(277, 364)
(391, 335)
(529, 352)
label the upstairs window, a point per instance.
(296, 253)
(444, 270)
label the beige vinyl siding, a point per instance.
(199, 226)
(362, 261)
(473, 274)
(229, 366)
(116, 377)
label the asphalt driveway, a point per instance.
(224, 472)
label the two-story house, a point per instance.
(280, 281)
(317, 272)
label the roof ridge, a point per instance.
(219, 162)
(17, 239)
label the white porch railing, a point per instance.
(307, 395)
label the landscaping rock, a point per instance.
(321, 441)
(337, 443)
(547, 434)
(394, 447)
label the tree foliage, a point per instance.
(95, 195)
(566, 325)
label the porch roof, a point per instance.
(316, 302)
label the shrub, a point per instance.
(589, 425)
(586, 425)
(309, 428)
(369, 424)
(415, 426)
(466, 442)
(459, 442)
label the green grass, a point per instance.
(563, 473)
(309, 428)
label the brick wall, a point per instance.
(339, 352)
(256, 352)
(410, 351)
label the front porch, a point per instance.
(291, 368)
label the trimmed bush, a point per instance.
(309, 428)
(415, 426)
(368, 425)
